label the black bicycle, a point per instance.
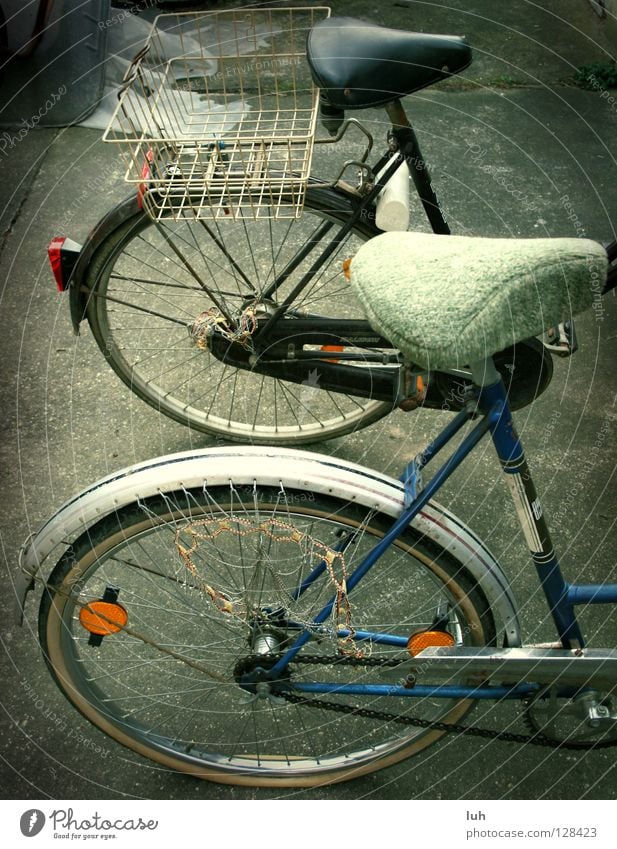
(209, 301)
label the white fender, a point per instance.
(268, 466)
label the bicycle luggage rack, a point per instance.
(226, 129)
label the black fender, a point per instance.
(340, 201)
(118, 215)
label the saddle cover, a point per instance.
(448, 301)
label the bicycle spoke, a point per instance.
(186, 676)
(194, 274)
(142, 259)
(149, 282)
(166, 275)
(140, 309)
(221, 246)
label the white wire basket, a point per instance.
(225, 127)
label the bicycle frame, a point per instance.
(278, 345)
(366, 365)
(490, 404)
(274, 351)
(406, 144)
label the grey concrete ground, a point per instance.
(505, 149)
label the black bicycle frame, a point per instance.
(406, 144)
(611, 278)
(376, 383)
(277, 344)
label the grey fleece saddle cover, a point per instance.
(448, 301)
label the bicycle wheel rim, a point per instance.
(157, 358)
(302, 738)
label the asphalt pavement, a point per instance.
(515, 149)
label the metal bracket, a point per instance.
(358, 163)
(344, 127)
(561, 340)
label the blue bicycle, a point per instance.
(270, 616)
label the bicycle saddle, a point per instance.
(357, 64)
(448, 301)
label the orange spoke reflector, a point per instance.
(103, 617)
(424, 639)
(347, 268)
(332, 348)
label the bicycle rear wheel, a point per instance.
(207, 581)
(149, 281)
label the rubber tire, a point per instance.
(131, 520)
(339, 204)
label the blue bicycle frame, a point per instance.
(490, 405)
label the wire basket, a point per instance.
(217, 113)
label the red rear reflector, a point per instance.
(54, 252)
(63, 255)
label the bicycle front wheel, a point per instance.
(149, 281)
(202, 589)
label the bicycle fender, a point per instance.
(126, 209)
(300, 470)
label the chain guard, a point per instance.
(535, 739)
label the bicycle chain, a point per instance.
(536, 739)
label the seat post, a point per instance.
(484, 373)
(409, 147)
(397, 115)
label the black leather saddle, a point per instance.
(357, 64)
